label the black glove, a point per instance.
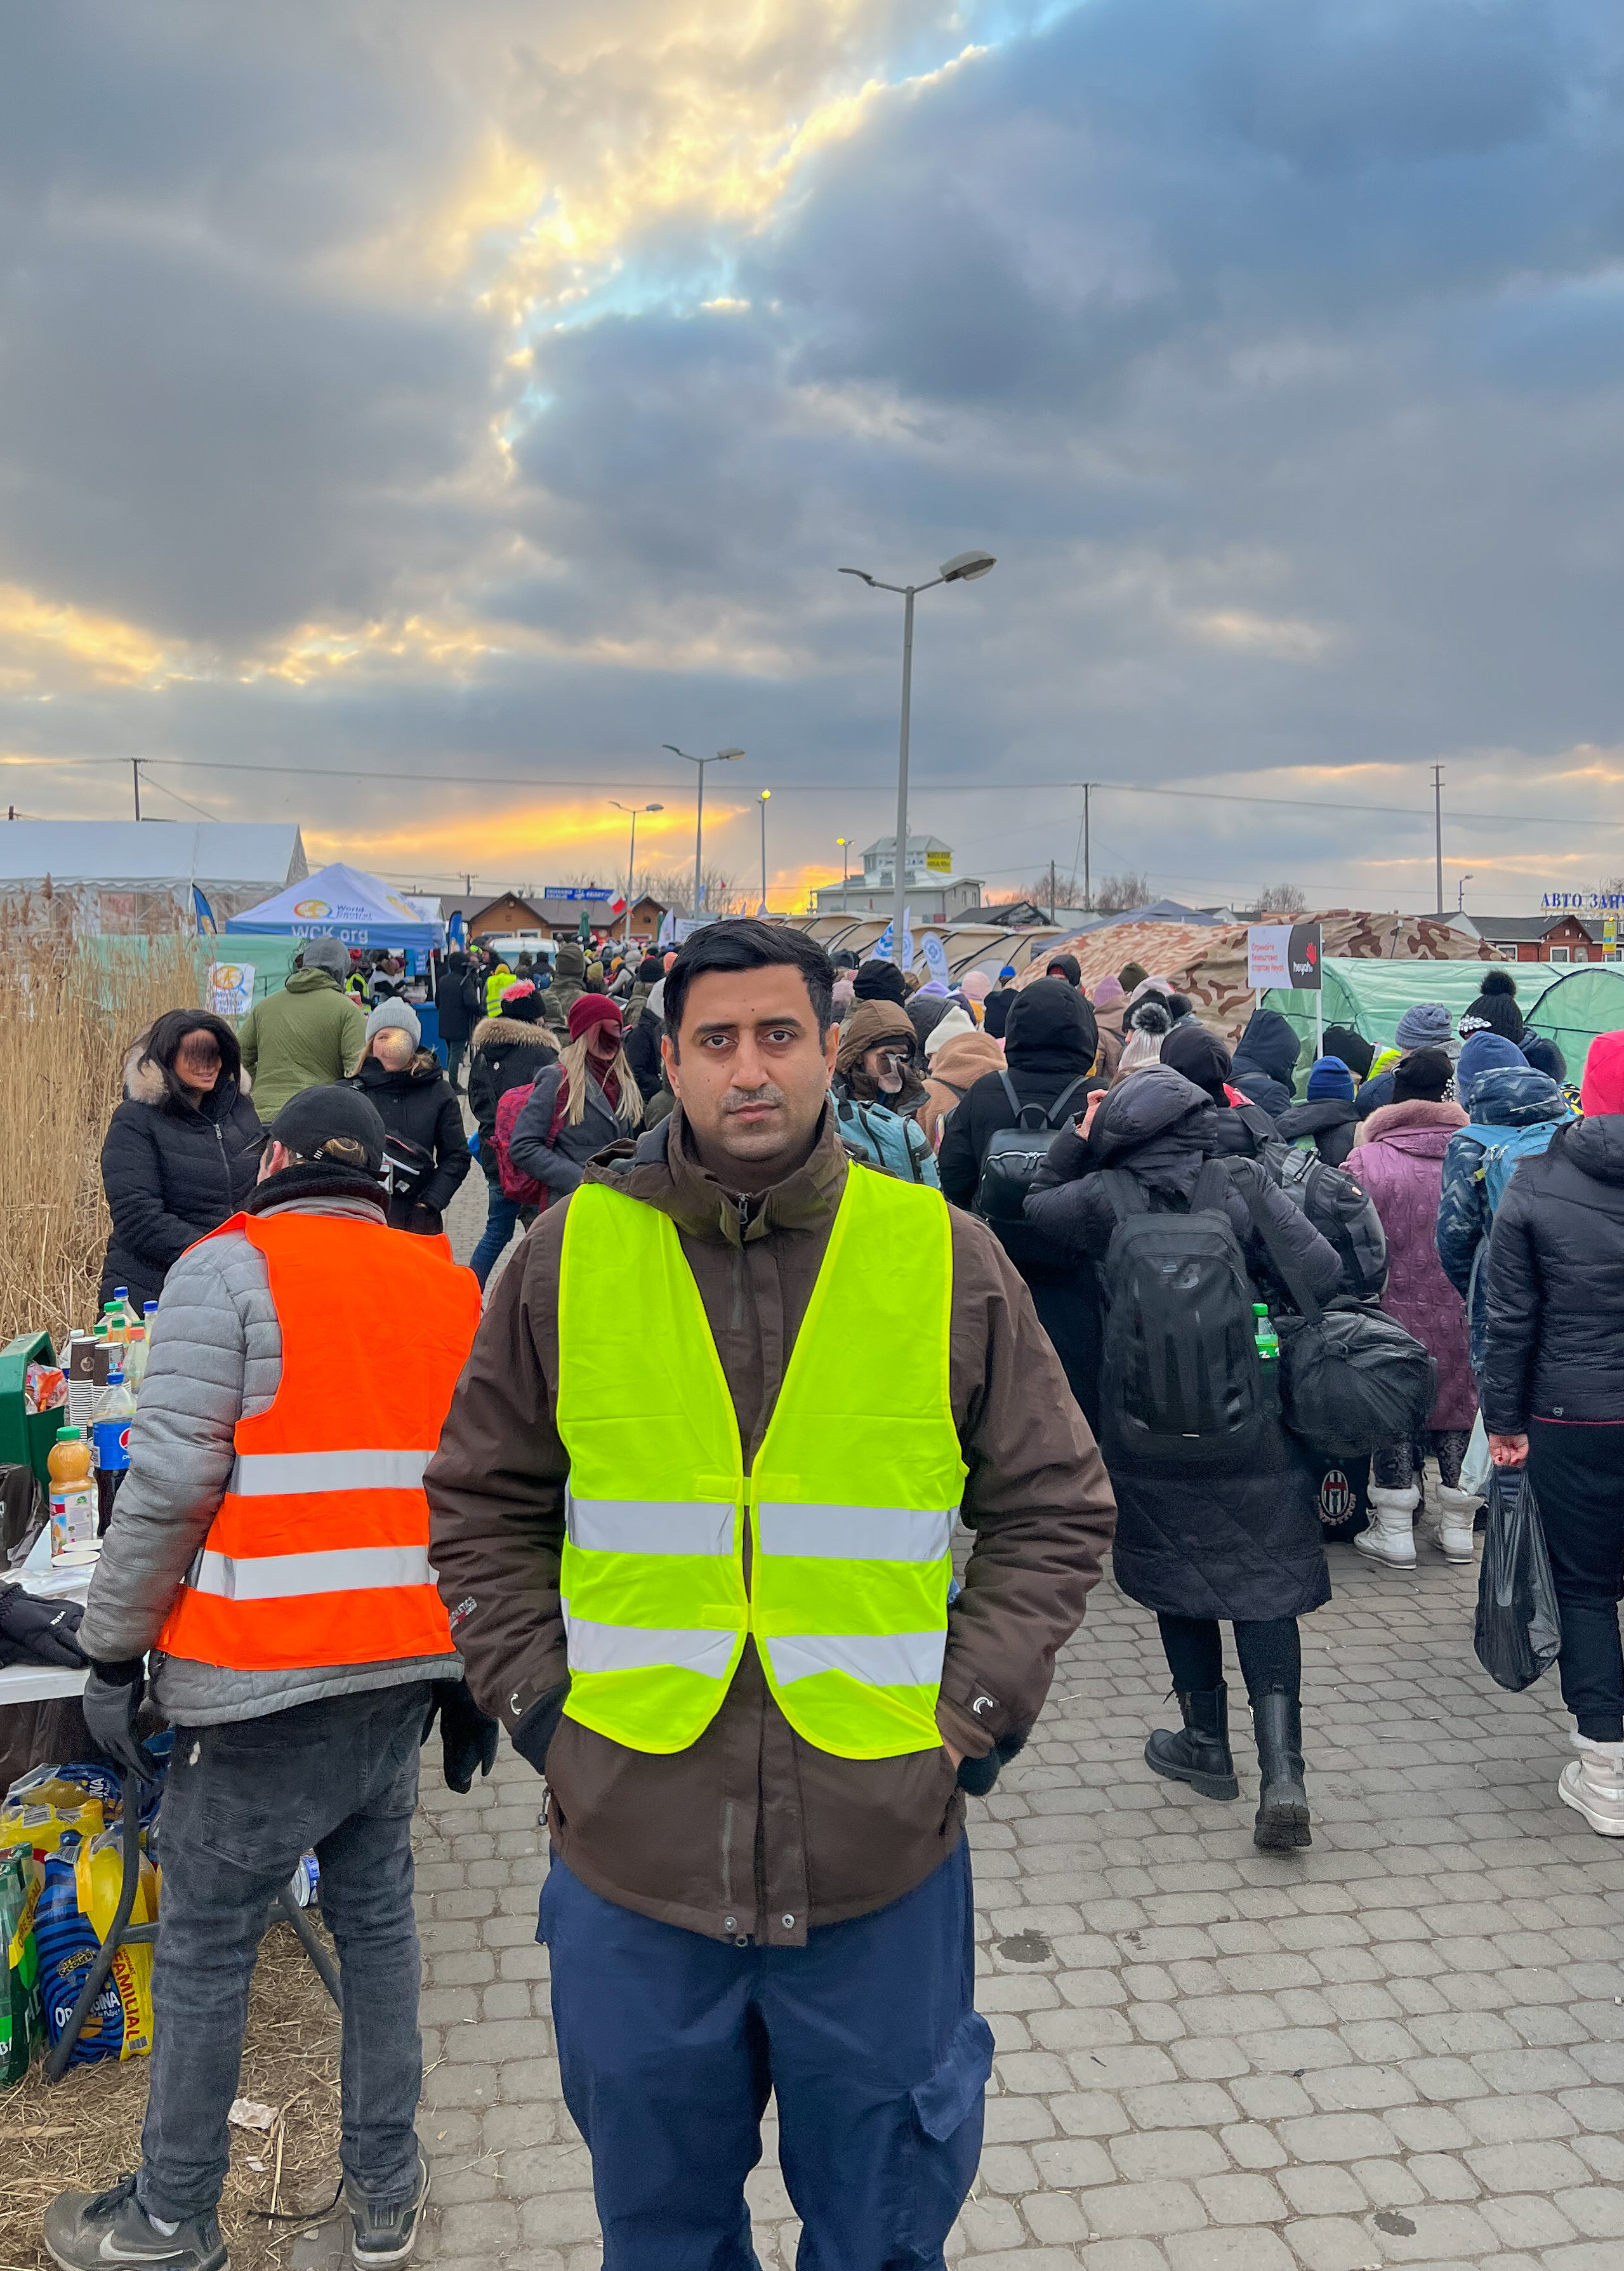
(467, 1737)
(112, 1701)
(39, 1632)
(536, 1730)
(978, 1775)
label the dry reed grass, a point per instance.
(85, 2135)
(68, 1014)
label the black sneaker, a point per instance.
(383, 2236)
(86, 2231)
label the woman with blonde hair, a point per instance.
(588, 1101)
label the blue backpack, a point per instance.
(1502, 1149)
(885, 1139)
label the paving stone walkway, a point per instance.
(1403, 2047)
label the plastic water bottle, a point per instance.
(1268, 1339)
(134, 1361)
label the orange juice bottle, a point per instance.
(73, 1498)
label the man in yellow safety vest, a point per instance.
(714, 1602)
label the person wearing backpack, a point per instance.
(1512, 1111)
(1242, 1127)
(1050, 1042)
(876, 1090)
(1399, 1160)
(507, 1051)
(1217, 1514)
(1328, 1119)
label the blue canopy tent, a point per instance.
(343, 903)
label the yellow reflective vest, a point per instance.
(850, 1503)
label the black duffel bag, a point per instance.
(1350, 1377)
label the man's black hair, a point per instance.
(747, 944)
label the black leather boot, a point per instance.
(1283, 1803)
(1200, 1754)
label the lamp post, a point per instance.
(1460, 894)
(722, 757)
(963, 568)
(761, 803)
(631, 856)
(845, 842)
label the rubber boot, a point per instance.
(1283, 1803)
(1453, 1533)
(1593, 1785)
(1200, 1754)
(1391, 1535)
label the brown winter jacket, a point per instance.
(751, 1830)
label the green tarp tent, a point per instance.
(269, 958)
(1583, 999)
(1371, 995)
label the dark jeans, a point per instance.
(503, 1216)
(455, 1052)
(669, 2042)
(1397, 1466)
(242, 1804)
(1271, 1654)
(1578, 1477)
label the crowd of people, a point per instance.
(758, 1693)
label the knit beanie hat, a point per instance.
(1545, 1057)
(1008, 971)
(522, 1002)
(880, 981)
(1131, 974)
(976, 984)
(1425, 1025)
(1355, 1050)
(1485, 1052)
(1495, 1008)
(394, 1012)
(1422, 1077)
(1108, 993)
(1602, 1089)
(590, 1009)
(1330, 1076)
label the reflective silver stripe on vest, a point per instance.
(646, 1648)
(877, 1659)
(287, 1576)
(277, 1474)
(855, 1533)
(651, 1525)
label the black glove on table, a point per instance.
(467, 1737)
(39, 1632)
(111, 1701)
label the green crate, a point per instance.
(25, 1437)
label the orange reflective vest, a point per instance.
(319, 1553)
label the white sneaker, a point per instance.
(1452, 1531)
(1593, 1785)
(1391, 1535)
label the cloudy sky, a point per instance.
(413, 416)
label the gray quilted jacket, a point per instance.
(216, 1357)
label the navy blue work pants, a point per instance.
(670, 2042)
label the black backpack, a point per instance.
(1014, 1154)
(1181, 1384)
(1344, 1215)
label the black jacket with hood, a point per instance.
(1237, 1130)
(172, 1171)
(419, 1108)
(1331, 1121)
(509, 1051)
(1554, 1340)
(1266, 1056)
(1245, 1545)
(459, 997)
(1050, 1042)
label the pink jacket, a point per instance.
(1398, 1159)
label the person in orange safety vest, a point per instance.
(269, 1548)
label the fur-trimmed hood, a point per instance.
(144, 1083)
(513, 1029)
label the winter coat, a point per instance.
(995, 1011)
(870, 1023)
(308, 1035)
(1501, 1100)
(1266, 1055)
(1555, 1346)
(1050, 1040)
(926, 1012)
(557, 1164)
(505, 1053)
(1331, 1121)
(1398, 1162)
(419, 1107)
(171, 1173)
(216, 1358)
(752, 1823)
(951, 1027)
(954, 1070)
(1376, 1095)
(643, 1051)
(569, 972)
(459, 997)
(1247, 1545)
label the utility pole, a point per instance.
(1088, 886)
(1050, 890)
(135, 774)
(1438, 829)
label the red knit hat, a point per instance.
(1602, 1089)
(591, 1009)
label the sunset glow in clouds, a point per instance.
(409, 394)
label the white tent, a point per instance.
(138, 876)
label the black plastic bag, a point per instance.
(1518, 1630)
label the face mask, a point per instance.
(889, 1078)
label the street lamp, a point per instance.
(845, 842)
(963, 568)
(762, 803)
(722, 757)
(631, 857)
(1460, 894)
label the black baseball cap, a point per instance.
(315, 1118)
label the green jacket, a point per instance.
(308, 1035)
